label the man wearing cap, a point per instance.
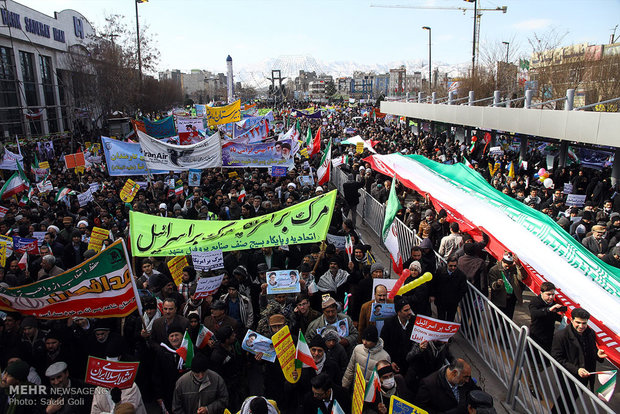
(200, 391)
(58, 377)
(66, 233)
(425, 227)
(505, 283)
(32, 338)
(366, 354)
(238, 306)
(330, 317)
(218, 318)
(396, 333)
(596, 242)
(168, 366)
(73, 253)
(54, 351)
(227, 360)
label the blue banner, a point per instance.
(277, 171)
(279, 153)
(160, 129)
(125, 158)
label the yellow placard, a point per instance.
(285, 350)
(219, 115)
(2, 254)
(233, 174)
(400, 406)
(176, 267)
(359, 147)
(97, 236)
(80, 169)
(358, 391)
(129, 191)
(44, 165)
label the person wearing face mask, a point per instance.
(200, 391)
(391, 384)
(446, 390)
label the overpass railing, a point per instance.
(534, 380)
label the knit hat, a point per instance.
(55, 369)
(376, 266)
(317, 342)
(330, 334)
(19, 370)
(399, 303)
(176, 328)
(200, 363)
(429, 213)
(426, 244)
(416, 265)
(261, 267)
(218, 305)
(224, 333)
(29, 322)
(371, 334)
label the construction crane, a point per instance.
(478, 14)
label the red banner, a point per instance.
(110, 374)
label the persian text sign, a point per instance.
(218, 115)
(176, 267)
(305, 222)
(97, 236)
(285, 350)
(110, 374)
(208, 260)
(160, 155)
(208, 285)
(400, 406)
(431, 329)
(359, 389)
(99, 287)
(125, 158)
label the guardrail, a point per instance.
(534, 380)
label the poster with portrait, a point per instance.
(388, 283)
(342, 328)
(280, 153)
(256, 343)
(283, 281)
(46, 150)
(381, 311)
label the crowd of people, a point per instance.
(223, 375)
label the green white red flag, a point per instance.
(324, 170)
(203, 337)
(302, 353)
(390, 230)
(315, 147)
(608, 384)
(186, 351)
(374, 385)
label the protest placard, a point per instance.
(278, 171)
(400, 406)
(431, 329)
(337, 241)
(208, 260)
(359, 147)
(256, 343)
(85, 197)
(283, 281)
(388, 283)
(381, 311)
(208, 285)
(359, 389)
(97, 236)
(576, 200)
(285, 350)
(176, 266)
(111, 374)
(194, 177)
(129, 191)
(568, 188)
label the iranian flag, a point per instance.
(343, 159)
(374, 384)
(14, 185)
(390, 231)
(468, 163)
(308, 136)
(178, 188)
(608, 384)
(348, 246)
(315, 147)
(186, 351)
(302, 353)
(203, 337)
(62, 193)
(326, 165)
(241, 197)
(23, 262)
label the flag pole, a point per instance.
(133, 284)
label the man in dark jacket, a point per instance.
(396, 333)
(575, 348)
(351, 193)
(448, 288)
(544, 314)
(446, 390)
(323, 396)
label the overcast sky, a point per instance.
(201, 33)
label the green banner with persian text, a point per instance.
(306, 222)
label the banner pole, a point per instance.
(133, 284)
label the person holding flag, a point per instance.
(200, 390)
(170, 358)
(389, 234)
(383, 384)
(313, 359)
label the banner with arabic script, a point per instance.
(431, 329)
(218, 115)
(125, 158)
(306, 222)
(160, 129)
(236, 154)
(100, 287)
(111, 374)
(160, 155)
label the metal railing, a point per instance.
(534, 380)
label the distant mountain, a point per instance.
(256, 75)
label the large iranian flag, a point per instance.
(547, 252)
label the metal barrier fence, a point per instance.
(534, 380)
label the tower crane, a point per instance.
(477, 12)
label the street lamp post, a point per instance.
(507, 49)
(138, 39)
(430, 72)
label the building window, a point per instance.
(30, 83)
(48, 92)
(10, 114)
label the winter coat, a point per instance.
(189, 395)
(367, 359)
(245, 309)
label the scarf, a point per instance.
(320, 364)
(149, 323)
(167, 348)
(330, 283)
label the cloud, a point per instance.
(532, 24)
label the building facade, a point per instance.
(36, 90)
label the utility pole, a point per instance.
(138, 40)
(430, 72)
(507, 49)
